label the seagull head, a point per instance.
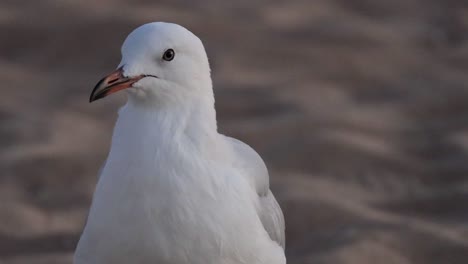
(161, 63)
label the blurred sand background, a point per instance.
(359, 108)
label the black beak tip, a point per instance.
(95, 97)
(96, 93)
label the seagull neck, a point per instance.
(195, 120)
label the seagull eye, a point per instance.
(168, 55)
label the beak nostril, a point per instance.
(113, 81)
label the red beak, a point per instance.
(112, 83)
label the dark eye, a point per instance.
(168, 55)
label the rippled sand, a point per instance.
(360, 109)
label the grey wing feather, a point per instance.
(269, 212)
(272, 218)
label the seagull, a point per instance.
(173, 190)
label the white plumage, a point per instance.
(173, 190)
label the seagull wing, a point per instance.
(254, 168)
(272, 218)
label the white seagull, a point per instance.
(173, 190)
